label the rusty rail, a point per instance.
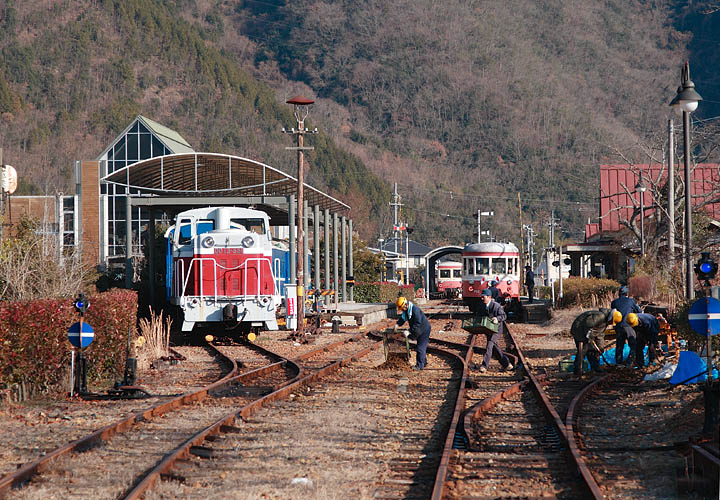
(182, 451)
(27, 471)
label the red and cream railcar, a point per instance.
(486, 262)
(220, 268)
(449, 278)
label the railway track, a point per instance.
(129, 452)
(370, 431)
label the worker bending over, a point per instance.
(497, 315)
(647, 328)
(588, 331)
(624, 332)
(419, 328)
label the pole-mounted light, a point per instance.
(686, 101)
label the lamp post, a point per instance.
(300, 110)
(641, 188)
(687, 101)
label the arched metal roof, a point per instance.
(212, 174)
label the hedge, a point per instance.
(377, 292)
(35, 351)
(586, 292)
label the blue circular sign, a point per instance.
(704, 316)
(80, 338)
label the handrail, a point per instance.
(183, 278)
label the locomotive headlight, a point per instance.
(509, 282)
(247, 241)
(208, 242)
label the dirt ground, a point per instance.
(62, 420)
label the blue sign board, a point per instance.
(79, 338)
(704, 316)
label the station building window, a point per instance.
(137, 144)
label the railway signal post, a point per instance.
(80, 335)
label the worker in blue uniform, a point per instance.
(497, 315)
(419, 328)
(495, 291)
(623, 331)
(529, 282)
(647, 328)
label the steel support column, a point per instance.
(335, 257)
(306, 247)
(128, 243)
(343, 231)
(316, 245)
(350, 258)
(151, 255)
(326, 228)
(291, 239)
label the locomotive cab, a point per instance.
(219, 268)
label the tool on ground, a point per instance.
(389, 336)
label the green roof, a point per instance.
(169, 137)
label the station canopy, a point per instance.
(211, 176)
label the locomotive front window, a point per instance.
(185, 233)
(256, 226)
(444, 273)
(499, 266)
(482, 265)
(457, 273)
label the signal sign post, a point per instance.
(80, 335)
(704, 318)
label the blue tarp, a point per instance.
(608, 358)
(691, 364)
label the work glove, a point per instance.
(406, 333)
(395, 328)
(494, 320)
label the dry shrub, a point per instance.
(642, 287)
(156, 335)
(587, 292)
(33, 266)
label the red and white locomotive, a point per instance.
(486, 262)
(219, 264)
(449, 278)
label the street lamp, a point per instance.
(687, 101)
(641, 188)
(300, 110)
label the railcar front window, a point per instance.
(457, 273)
(444, 273)
(499, 266)
(482, 265)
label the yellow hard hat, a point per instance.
(632, 319)
(401, 303)
(616, 316)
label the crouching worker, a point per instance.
(647, 328)
(497, 315)
(588, 331)
(419, 328)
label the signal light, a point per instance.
(706, 268)
(81, 304)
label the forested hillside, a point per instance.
(464, 104)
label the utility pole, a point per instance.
(522, 240)
(395, 204)
(671, 192)
(300, 110)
